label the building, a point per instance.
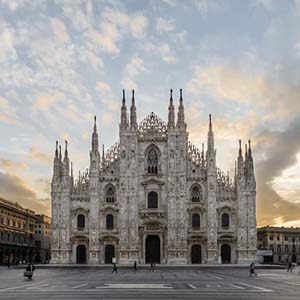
(283, 244)
(42, 239)
(153, 197)
(16, 233)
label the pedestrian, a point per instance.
(115, 270)
(289, 269)
(135, 266)
(29, 271)
(252, 270)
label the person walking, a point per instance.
(115, 270)
(252, 270)
(135, 267)
(289, 268)
(29, 271)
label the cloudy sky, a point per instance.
(61, 62)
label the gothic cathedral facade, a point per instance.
(153, 198)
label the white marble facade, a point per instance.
(153, 197)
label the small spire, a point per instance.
(133, 100)
(246, 152)
(59, 152)
(249, 149)
(240, 148)
(171, 96)
(123, 99)
(56, 150)
(102, 151)
(210, 126)
(181, 99)
(95, 124)
(66, 148)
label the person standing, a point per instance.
(135, 266)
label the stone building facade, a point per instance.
(42, 239)
(16, 233)
(283, 243)
(153, 197)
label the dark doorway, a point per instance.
(81, 254)
(196, 254)
(152, 249)
(109, 253)
(226, 254)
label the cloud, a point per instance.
(275, 152)
(8, 113)
(12, 167)
(36, 155)
(164, 25)
(114, 25)
(59, 30)
(103, 87)
(227, 82)
(44, 101)
(107, 118)
(161, 49)
(14, 189)
(135, 67)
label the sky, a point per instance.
(62, 62)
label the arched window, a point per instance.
(110, 195)
(109, 222)
(152, 200)
(225, 220)
(196, 221)
(80, 221)
(196, 194)
(152, 161)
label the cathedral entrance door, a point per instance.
(226, 254)
(81, 254)
(109, 253)
(196, 254)
(152, 249)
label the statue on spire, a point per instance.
(171, 117)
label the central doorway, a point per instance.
(109, 253)
(81, 254)
(226, 254)
(152, 249)
(196, 254)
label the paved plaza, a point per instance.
(163, 283)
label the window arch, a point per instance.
(152, 161)
(196, 193)
(109, 222)
(196, 221)
(152, 200)
(110, 195)
(80, 221)
(225, 220)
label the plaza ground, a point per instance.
(163, 283)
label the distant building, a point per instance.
(153, 197)
(42, 239)
(16, 233)
(282, 243)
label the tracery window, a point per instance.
(80, 221)
(109, 222)
(110, 195)
(225, 220)
(152, 161)
(196, 194)
(196, 221)
(152, 200)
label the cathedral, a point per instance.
(153, 197)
